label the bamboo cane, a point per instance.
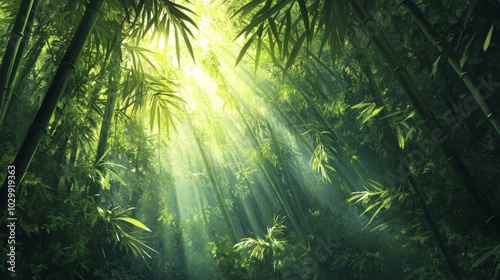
(61, 79)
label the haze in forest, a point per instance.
(255, 139)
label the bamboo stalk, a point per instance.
(109, 110)
(275, 186)
(9, 58)
(61, 79)
(22, 46)
(217, 190)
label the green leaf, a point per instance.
(401, 139)
(488, 39)
(465, 55)
(360, 105)
(435, 65)
(409, 133)
(245, 48)
(305, 18)
(134, 222)
(494, 251)
(373, 113)
(295, 51)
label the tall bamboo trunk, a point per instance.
(109, 110)
(275, 186)
(9, 59)
(22, 46)
(470, 81)
(217, 190)
(438, 134)
(29, 62)
(54, 93)
(295, 200)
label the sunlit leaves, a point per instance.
(99, 173)
(383, 199)
(137, 55)
(134, 222)
(156, 96)
(291, 24)
(165, 17)
(320, 158)
(164, 104)
(369, 110)
(125, 238)
(261, 248)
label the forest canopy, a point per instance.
(255, 139)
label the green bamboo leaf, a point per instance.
(409, 116)
(375, 204)
(175, 10)
(288, 31)
(376, 185)
(134, 222)
(261, 16)
(465, 54)
(383, 205)
(305, 19)
(373, 114)
(244, 49)
(409, 133)
(177, 46)
(367, 110)
(184, 33)
(435, 65)
(274, 32)
(259, 48)
(118, 178)
(295, 51)
(494, 251)
(360, 105)
(357, 196)
(152, 112)
(380, 227)
(401, 139)
(247, 8)
(488, 39)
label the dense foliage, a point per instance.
(256, 139)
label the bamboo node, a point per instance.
(463, 74)
(97, 8)
(491, 218)
(17, 35)
(69, 64)
(397, 69)
(490, 115)
(438, 42)
(450, 159)
(426, 120)
(44, 127)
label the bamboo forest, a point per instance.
(250, 139)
